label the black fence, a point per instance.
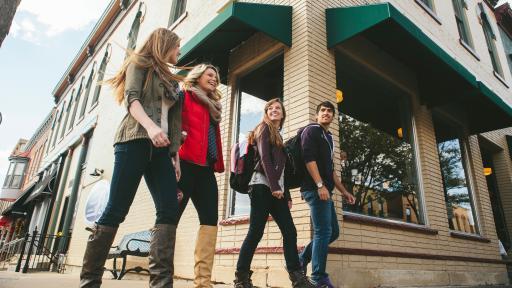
(34, 252)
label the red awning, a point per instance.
(4, 220)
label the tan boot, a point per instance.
(95, 255)
(204, 254)
(161, 256)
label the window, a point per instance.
(8, 177)
(55, 116)
(490, 37)
(18, 175)
(134, 31)
(58, 123)
(101, 74)
(177, 9)
(377, 148)
(68, 110)
(462, 22)
(451, 150)
(87, 91)
(255, 89)
(428, 6)
(427, 3)
(77, 101)
(14, 175)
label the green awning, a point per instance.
(442, 80)
(234, 25)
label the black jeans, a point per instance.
(199, 183)
(134, 159)
(263, 204)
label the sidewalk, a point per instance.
(51, 280)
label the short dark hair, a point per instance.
(326, 104)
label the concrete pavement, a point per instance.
(10, 279)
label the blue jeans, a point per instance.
(134, 159)
(325, 231)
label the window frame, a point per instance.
(235, 129)
(462, 23)
(174, 16)
(423, 215)
(77, 102)
(490, 40)
(87, 92)
(67, 110)
(463, 138)
(429, 7)
(9, 178)
(101, 74)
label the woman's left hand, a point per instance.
(290, 204)
(177, 168)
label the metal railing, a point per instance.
(34, 252)
(10, 250)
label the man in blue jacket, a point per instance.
(317, 188)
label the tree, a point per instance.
(7, 11)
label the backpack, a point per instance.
(295, 168)
(243, 162)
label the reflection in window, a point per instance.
(256, 88)
(379, 170)
(457, 194)
(378, 163)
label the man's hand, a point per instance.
(278, 194)
(323, 194)
(349, 197)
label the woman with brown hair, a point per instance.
(146, 144)
(269, 196)
(201, 156)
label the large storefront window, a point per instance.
(457, 192)
(378, 160)
(255, 89)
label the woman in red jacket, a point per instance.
(201, 156)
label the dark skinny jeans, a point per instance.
(134, 159)
(263, 204)
(199, 184)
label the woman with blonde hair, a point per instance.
(146, 144)
(268, 195)
(201, 156)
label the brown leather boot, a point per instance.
(204, 254)
(95, 255)
(161, 256)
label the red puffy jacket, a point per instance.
(196, 121)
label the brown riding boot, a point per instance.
(204, 254)
(95, 255)
(161, 256)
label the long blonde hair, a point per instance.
(152, 55)
(275, 137)
(196, 73)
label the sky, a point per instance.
(44, 38)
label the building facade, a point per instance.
(423, 91)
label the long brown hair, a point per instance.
(275, 137)
(153, 56)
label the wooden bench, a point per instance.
(133, 244)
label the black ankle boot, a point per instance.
(243, 279)
(299, 280)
